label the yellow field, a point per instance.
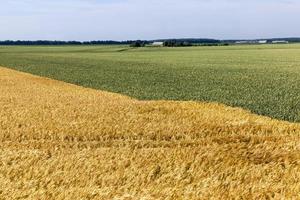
(60, 141)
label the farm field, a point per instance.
(264, 79)
(62, 141)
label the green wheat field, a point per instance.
(264, 79)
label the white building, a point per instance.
(241, 42)
(158, 44)
(280, 42)
(262, 41)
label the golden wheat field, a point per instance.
(60, 141)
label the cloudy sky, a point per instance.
(147, 19)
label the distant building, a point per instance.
(280, 42)
(158, 44)
(247, 42)
(241, 42)
(262, 42)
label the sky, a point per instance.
(84, 20)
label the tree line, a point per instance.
(134, 43)
(180, 42)
(49, 42)
(139, 43)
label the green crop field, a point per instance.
(264, 78)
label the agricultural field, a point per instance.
(61, 141)
(113, 122)
(264, 79)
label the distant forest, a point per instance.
(49, 42)
(128, 42)
(106, 42)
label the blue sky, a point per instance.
(147, 19)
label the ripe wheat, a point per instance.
(60, 141)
